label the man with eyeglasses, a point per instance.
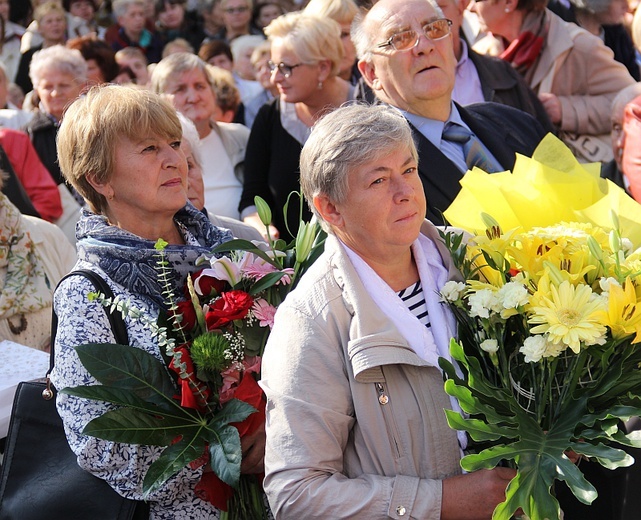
(406, 56)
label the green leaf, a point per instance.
(478, 430)
(135, 427)
(118, 396)
(238, 244)
(608, 457)
(265, 282)
(225, 454)
(172, 460)
(129, 368)
(233, 411)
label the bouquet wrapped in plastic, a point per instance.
(549, 315)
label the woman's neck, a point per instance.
(203, 128)
(148, 228)
(513, 25)
(332, 95)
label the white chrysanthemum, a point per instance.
(483, 302)
(490, 346)
(606, 283)
(451, 291)
(533, 348)
(513, 295)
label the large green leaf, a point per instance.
(608, 457)
(225, 454)
(234, 411)
(121, 397)
(478, 430)
(173, 459)
(129, 368)
(136, 427)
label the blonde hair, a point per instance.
(47, 8)
(264, 50)
(312, 39)
(94, 124)
(343, 11)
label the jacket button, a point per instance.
(400, 511)
(383, 399)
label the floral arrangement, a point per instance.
(213, 338)
(548, 357)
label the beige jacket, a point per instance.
(355, 421)
(577, 67)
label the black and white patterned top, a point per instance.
(414, 300)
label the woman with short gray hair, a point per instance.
(58, 75)
(355, 398)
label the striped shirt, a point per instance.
(414, 300)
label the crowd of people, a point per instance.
(128, 120)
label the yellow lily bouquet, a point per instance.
(549, 324)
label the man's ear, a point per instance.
(104, 188)
(328, 210)
(368, 71)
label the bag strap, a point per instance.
(115, 318)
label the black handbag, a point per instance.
(40, 477)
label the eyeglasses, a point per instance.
(236, 10)
(406, 40)
(285, 70)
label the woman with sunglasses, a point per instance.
(305, 61)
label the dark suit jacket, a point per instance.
(504, 130)
(501, 83)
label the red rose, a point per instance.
(188, 312)
(208, 285)
(232, 305)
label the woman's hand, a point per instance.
(254, 221)
(253, 446)
(475, 495)
(552, 106)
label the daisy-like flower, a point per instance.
(569, 316)
(264, 312)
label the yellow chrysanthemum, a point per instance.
(623, 315)
(568, 315)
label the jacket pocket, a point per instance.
(385, 403)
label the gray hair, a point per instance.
(120, 7)
(175, 64)
(58, 57)
(592, 6)
(242, 43)
(364, 41)
(344, 139)
(190, 134)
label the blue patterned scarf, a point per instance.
(130, 260)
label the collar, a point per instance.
(432, 129)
